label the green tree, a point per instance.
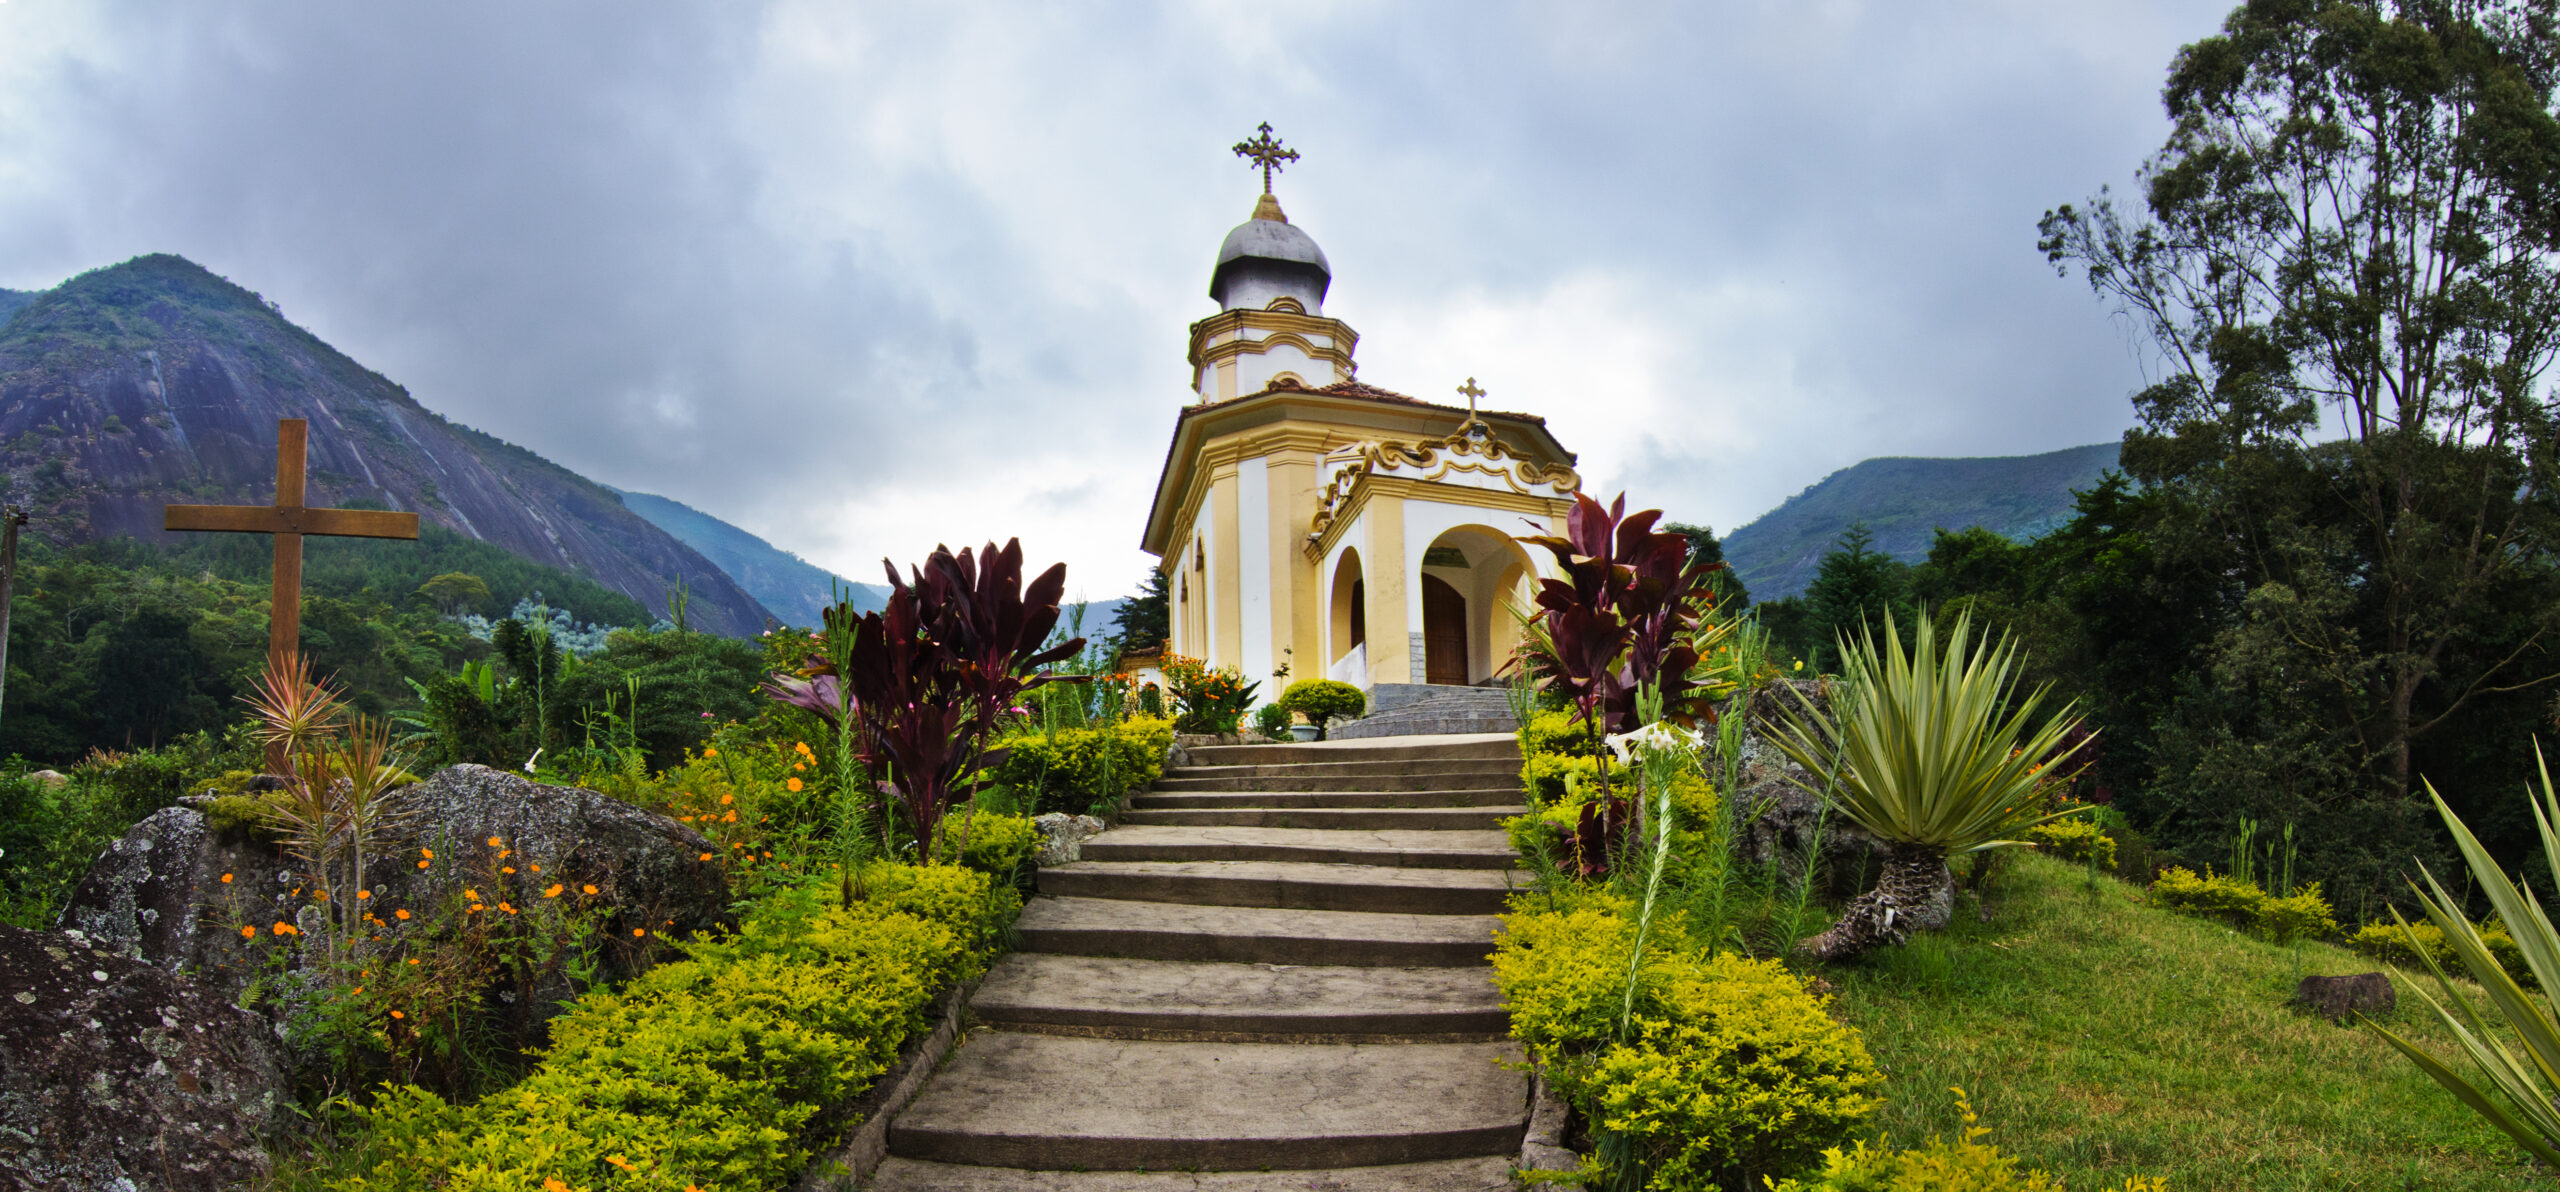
(2346, 262)
(1144, 621)
(1855, 587)
(1704, 547)
(456, 592)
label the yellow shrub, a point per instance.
(1733, 1073)
(1963, 1164)
(708, 1072)
(2076, 839)
(1074, 770)
(2304, 914)
(2385, 942)
(1562, 975)
(990, 843)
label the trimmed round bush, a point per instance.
(1324, 699)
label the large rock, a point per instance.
(159, 893)
(1780, 820)
(2355, 993)
(117, 1074)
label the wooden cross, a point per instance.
(1266, 153)
(289, 520)
(1471, 393)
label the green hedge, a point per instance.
(709, 1072)
(1079, 769)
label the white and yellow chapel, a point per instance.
(1310, 525)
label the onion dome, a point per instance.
(1266, 258)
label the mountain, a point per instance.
(794, 588)
(11, 300)
(154, 381)
(1904, 502)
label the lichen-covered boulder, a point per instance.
(117, 1074)
(1062, 836)
(1781, 820)
(175, 892)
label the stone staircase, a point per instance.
(1417, 709)
(1271, 975)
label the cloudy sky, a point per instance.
(865, 277)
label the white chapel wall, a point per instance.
(1253, 573)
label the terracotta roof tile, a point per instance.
(1369, 392)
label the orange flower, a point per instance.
(473, 895)
(507, 907)
(428, 853)
(730, 818)
(793, 784)
(553, 892)
(493, 842)
(361, 895)
(397, 1014)
(710, 753)
(705, 857)
(226, 879)
(554, 1185)
(413, 960)
(476, 908)
(403, 916)
(359, 989)
(588, 889)
(725, 800)
(637, 932)
(618, 1161)
(248, 932)
(537, 869)
(799, 765)
(284, 928)
(506, 869)
(422, 864)
(322, 896)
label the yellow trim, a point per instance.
(1400, 488)
(1286, 305)
(1390, 640)
(1226, 641)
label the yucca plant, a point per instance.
(1935, 757)
(2524, 1084)
(293, 711)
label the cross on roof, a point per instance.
(1266, 153)
(289, 520)
(1471, 393)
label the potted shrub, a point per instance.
(1303, 729)
(1317, 701)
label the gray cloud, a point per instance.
(864, 278)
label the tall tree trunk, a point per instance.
(1914, 892)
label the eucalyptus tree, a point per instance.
(2344, 256)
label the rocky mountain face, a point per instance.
(134, 386)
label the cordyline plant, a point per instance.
(921, 685)
(340, 800)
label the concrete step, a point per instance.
(1423, 722)
(1286, 885)
(1389, 848)
(1240, 1003)
(1481, 797)
(1390, 697)
(1466, 747)
(1047, 1102)
(1252, 935)
(1388, 818)
(1496, 767)
(1420, 779)
(1487, 1174)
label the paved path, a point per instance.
(1270, 976)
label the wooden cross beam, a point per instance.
(288, 519)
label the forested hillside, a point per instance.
(1903, 502)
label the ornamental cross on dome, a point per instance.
(1266, 153)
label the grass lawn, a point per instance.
(2100, 1038)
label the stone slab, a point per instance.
(1498, 767)
(1477, 797)
(1442, 747)
(1047, 1102)
(1252, 935)
(1208, 779)
(1150, 999)
(1429, 819)
(1294, 885)
(1447, 1175)
(1482, 847)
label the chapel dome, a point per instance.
(1267, 257)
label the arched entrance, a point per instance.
(1472, 580)
(1347, 617)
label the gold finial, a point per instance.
(1266, 154)
(1472, 393)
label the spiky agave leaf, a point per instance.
(1924, 754)
(2525, 1083)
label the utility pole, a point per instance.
(10, 520)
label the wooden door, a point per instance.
(1444, 633)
